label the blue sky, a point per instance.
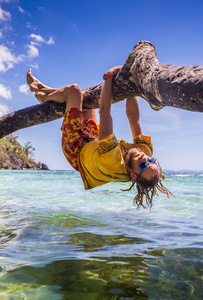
(68, 41)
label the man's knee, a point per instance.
(73, 96)
(73, 89)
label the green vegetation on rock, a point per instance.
(14, 156)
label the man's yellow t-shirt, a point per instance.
(102, 161)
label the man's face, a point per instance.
(133, 159)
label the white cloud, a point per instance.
(23, 11)
(5, 92)
(173, 117)
(186, 133)
(42, 8)
(29, 25)
(75, 26)
(159, 148)
(32, 51)
(167, 120)
(4, 109)
(50, 41)
(24, 88)
(4, 15)
(35, 66)
(155, 127)
(39, 39)
(7, 59)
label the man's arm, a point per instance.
(106, 122)
(133, 114)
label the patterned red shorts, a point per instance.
(76, 133)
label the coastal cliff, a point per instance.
(15, 157)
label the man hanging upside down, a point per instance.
(94, 150)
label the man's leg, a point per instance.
(59, 95)
(71, 94)
(90, 114)
(41, 90)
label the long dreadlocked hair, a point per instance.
(149, 188)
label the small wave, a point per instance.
(182, 175)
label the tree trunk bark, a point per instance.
(142, 75)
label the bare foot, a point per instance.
(36, 85)
(30, 77)
(33, 82)
(40, 96)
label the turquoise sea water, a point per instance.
(58, 241)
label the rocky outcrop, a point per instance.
(14, 157)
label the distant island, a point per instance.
(13, 156)
(171, 172)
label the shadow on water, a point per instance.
(90, 242)
(99, 266)
(171, 274)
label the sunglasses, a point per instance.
(144, 165)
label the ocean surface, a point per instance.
(58, 241)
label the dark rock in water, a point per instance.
(16, 167)
(163, 175)
(44, 167)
